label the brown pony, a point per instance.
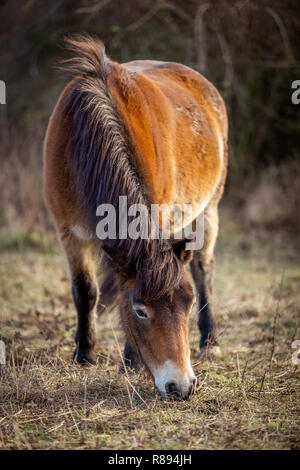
(155, 132)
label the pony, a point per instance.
(155, 132)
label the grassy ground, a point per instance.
(246, 399)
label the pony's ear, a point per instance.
(185, 256)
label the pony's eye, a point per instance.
(141, 313)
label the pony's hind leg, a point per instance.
(202, 269)
(82, 258)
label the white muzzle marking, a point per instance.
(170, 373)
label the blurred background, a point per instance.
(249, 397)
(248, 50)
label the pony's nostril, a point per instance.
(172, 390)
(170, 387)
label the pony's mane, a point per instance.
(100, 157)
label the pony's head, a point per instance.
(156, 327)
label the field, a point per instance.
(246, 399)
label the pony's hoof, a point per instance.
(209, 352)
(84, 358)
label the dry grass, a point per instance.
(248, 398)
(277, 186)
(21, 179)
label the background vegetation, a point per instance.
(249, 50)
(248, 398)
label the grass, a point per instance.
(246, 399)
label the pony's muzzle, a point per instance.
(174, 382)
(174, 390)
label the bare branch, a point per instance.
(199, 31)
(283, 32)
(224, 46)
(152, 12)
(149, 15)
(94, 8)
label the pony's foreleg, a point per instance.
(108, 296)
(131, 358)
(82, 257)
(202, 269)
